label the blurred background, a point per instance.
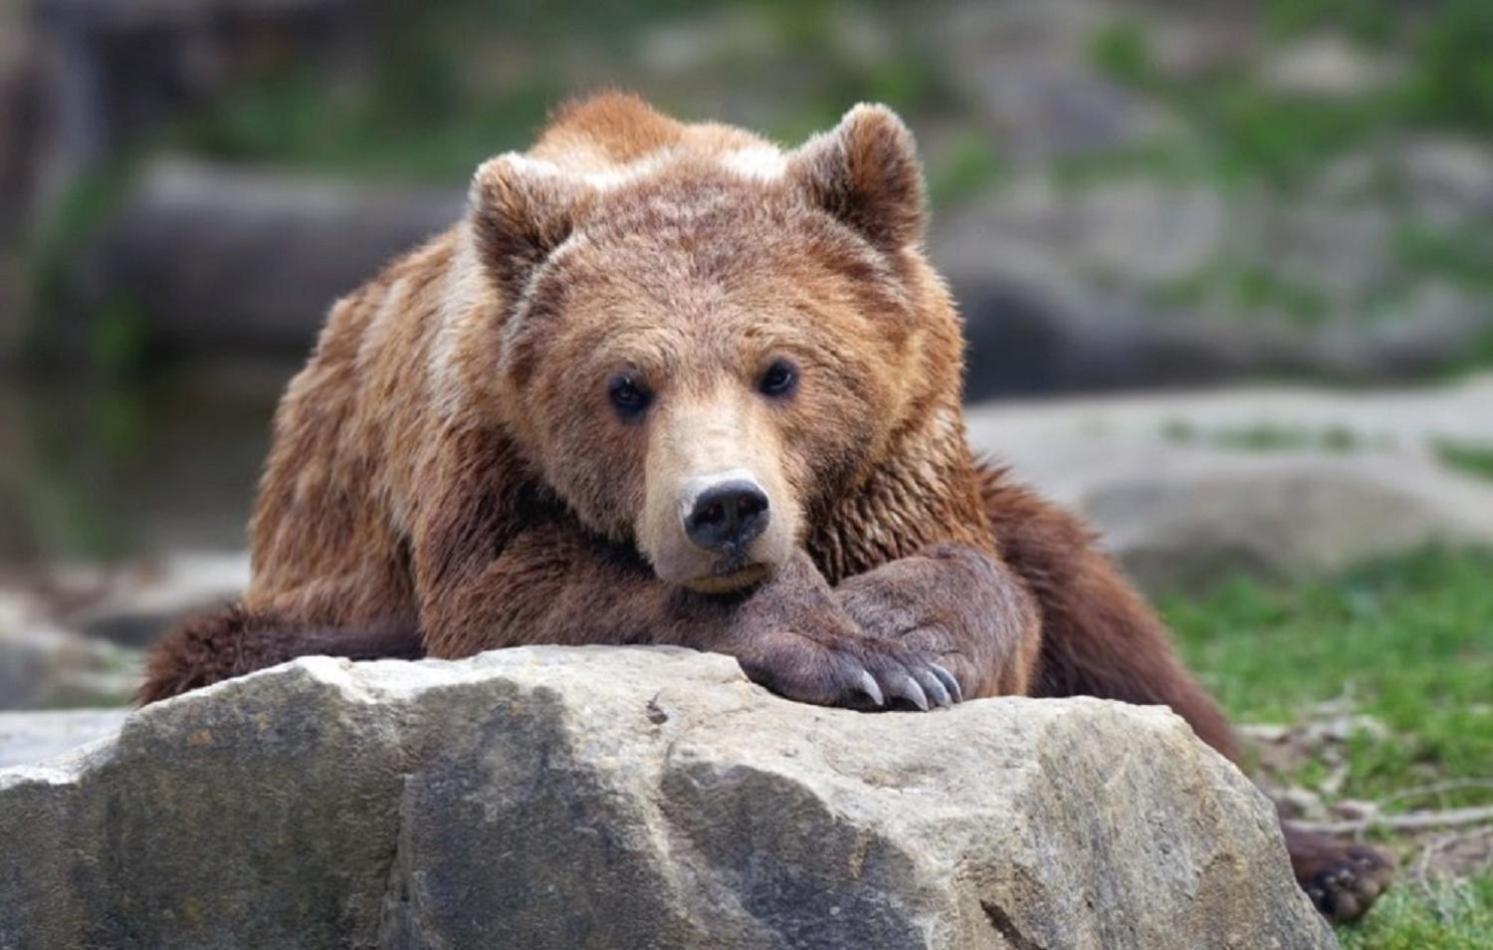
(1226, 266)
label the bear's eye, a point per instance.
(628, 396)
(780, 379)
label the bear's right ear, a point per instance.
(521, 210)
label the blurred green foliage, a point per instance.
(1251, 132)
(970, 165)
(1264, 437)
(1452, 78)
(1122, 51)
(1463, 255)
(1472, 458)
(1372, 22)
(115, 338)
(1245, 288)
(439, 98)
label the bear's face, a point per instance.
(698, 359)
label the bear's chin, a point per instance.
(730, 583)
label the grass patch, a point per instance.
(1451, 915)
(1409, 638)
(1473, 458)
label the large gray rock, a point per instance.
(1186, 487)
(548, 797)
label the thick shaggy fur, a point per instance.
(450, 473)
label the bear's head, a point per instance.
(700, 351)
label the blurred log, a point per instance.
(219, 259)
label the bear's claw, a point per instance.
(948, 681)
(909, 679)
(934, 688)
(907, 688)
(852, 672)
(871, 689)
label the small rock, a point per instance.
(1450, 180)
(1326, 66)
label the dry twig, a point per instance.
(1410, 821)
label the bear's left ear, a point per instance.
(865, 172)
(521, 209)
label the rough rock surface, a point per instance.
(547, 797)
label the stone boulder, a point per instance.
(550, 797)
(1187, 487)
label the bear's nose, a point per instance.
(727, 516)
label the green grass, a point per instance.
(291, 120)
(1410, 640)
(1451, 916)
(1472, 458)
(1411, 637)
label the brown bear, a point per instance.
(667, 383)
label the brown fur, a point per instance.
(449, 473)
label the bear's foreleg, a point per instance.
(556, 583)
(961, 605)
